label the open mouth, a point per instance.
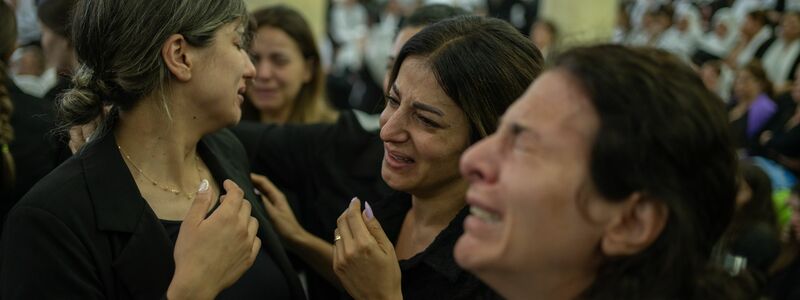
(483, 214)
(400, 158)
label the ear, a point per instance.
(176, 57)
(309, 71)
(637, 224)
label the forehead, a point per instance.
(273, 37)
(556, 105)
(416, 82)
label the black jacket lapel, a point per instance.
(142, 252)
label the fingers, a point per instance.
(355, 223)
(268, 189)
(254, 251)
(338, 252)
(376, 230)
(200, 206)
(343, 227)
(234, 198)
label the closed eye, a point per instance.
(428, 122)
(392, 101)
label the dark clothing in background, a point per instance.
(35, 148)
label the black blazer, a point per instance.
(85, 232)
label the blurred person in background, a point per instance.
(752, 107)
(544, 35)
(289, 86)
(783, 53)
(752, 240)
(753, 33)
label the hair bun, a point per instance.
(82, 103)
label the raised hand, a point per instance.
(212, 253)
(363, 257)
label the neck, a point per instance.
(556, 285)
(164, 149)
(439, 207)
(280, 116)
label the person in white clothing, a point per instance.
(782, 55)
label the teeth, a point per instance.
(483, 214)
(406, 160)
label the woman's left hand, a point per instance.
(363, 257)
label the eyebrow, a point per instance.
(420, 105)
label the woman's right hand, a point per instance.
(212, 253)
(279, 211)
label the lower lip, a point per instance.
(395, 164)
(241, 98)
(477, 227)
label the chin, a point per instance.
(466, 252)
(393, 180)
(267, 104)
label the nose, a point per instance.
(479, 163)
(264, 71)
(393, 126)
(249, 68)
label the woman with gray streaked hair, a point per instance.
(124, 217)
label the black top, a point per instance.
(785, 141)
(326, 165)
(85, 232)
(262, 281)
(783, 284)
(36, 151)
(432, 273)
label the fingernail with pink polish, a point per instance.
(368, 211)
(258, 193)
(203, 186)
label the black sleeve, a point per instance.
(286, 154)
(41, 258)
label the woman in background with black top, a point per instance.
(124, 217)
(781, 140)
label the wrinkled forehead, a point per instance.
(556, 99)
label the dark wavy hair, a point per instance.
(483, 64)
(662, 134)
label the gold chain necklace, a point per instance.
(176, 191)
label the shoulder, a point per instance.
(61, 195)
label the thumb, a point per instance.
(202, 201)
(375, 228)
